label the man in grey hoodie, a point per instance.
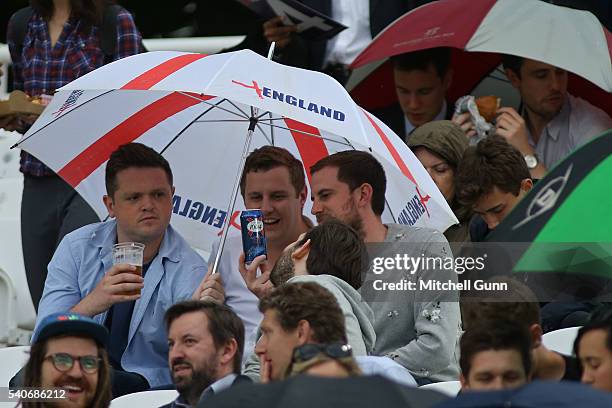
(418, 329)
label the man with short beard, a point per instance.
(333, 256)
(68, 353)
(206, 342)
(419, 330)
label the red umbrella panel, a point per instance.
(478, 32)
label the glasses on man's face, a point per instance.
(63, 362)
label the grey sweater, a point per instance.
(418, 329)
(358, 318)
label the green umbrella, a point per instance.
(567, 216)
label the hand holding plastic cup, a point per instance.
(130, 253)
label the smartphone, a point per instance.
(253, 235)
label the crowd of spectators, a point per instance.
(307, 307)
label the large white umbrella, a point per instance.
(196, 111)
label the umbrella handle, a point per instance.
(232, 202)
(271, 50)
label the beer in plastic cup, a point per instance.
(130, 253)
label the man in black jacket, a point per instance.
(421, 79)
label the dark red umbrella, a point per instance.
(479, 30)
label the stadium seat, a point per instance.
(561, 341)
(8, 300)
(11, 361)
(450, 388)
(11, 255)
(145, 399)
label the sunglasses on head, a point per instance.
(309, 351)
(64, 362)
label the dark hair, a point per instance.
(269, 157)
(88, 11)
(355, 168)
(223, 324)
(33, 374)
(517, 303)
(308, 301)
(439, 58)
(493, 162)
(133, 155)
(604, 324)
(495, 335)
(513, 63)
(336, 249)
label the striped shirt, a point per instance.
(41, 68)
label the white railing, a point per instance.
(206, 45)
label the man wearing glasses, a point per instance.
(68, 354)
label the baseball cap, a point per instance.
(70, 324)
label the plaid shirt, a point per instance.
(41, 68)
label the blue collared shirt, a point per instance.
(80, 262)
(41, 68)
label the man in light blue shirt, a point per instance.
(83, 279)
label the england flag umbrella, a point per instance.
(205, 114)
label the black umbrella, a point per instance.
(310, 392)
(538, 394)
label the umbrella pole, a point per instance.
(245, 152)
(232, 202)
(271, 50)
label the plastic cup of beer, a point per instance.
(130, 253)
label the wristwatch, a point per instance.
(531, 160)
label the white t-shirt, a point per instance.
(237, 295)
(345, 46)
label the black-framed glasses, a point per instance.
(307, 352)
(63, 362)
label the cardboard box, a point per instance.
(19, 103)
